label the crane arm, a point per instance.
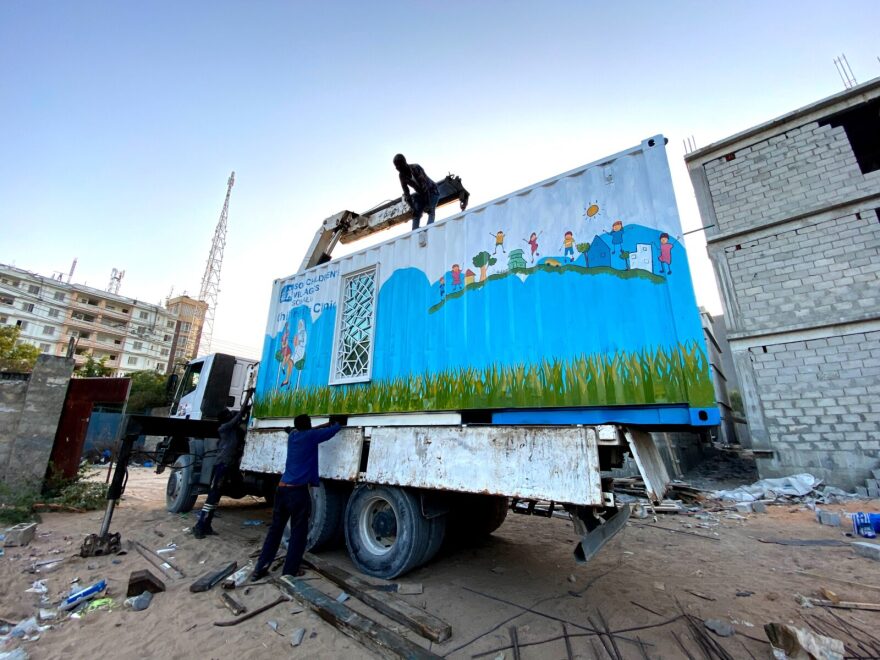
(348, 226)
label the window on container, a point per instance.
(862, 126)
(353, 348)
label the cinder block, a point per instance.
(828, 518)
(21, 534)
(865, 549)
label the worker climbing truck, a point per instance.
(510, 353)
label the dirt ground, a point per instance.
(523, 576)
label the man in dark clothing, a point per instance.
(292, 499)
(231, 433)
(426, 193)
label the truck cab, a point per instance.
(209, 384)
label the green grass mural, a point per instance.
(659, 376)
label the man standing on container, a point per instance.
(292, 500)
(426, 192)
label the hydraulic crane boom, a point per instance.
(349, 226)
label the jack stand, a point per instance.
(105, 543)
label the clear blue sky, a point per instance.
(120, 121)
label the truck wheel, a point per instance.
(181, 491)
(328, 511)
(385, 531)
(436, 536)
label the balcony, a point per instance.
(117, 314)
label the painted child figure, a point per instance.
(568, 245)
(499, 242)
(665, 257)
(533, 245)
(286, 355)
(616, 236)
(456, 277)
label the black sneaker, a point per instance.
(259, 574)
(198, 532)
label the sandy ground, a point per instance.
(522, 576)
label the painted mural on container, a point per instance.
(574, 293)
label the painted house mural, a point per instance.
(469, 317)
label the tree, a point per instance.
(583, 248)
(147, 391)
(483, 261)
(93, 368)
(15, 356)
(625, 256)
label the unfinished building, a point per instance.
(790, 209)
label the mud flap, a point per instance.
(650, 463)
(592, 541)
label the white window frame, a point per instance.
(337, 335)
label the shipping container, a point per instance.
(569, 301)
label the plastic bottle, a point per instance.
(76, 598)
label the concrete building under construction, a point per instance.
(790, 209)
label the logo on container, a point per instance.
(286, 293)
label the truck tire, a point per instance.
(181, 491)
(436, 536)
(328, 512)
(385, 531)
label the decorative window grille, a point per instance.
(353, 354)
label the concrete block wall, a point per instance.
(818, 271)
(800, 170)
(27, 450)
(821, 400)
(12, 395)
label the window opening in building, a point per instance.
(53, 313)
(28, 307)
(132, 360)
(59, 295)
(33, 288)
(862, 126)
(354, 335)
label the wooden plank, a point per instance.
(211, 578)
(423, 623)
(858, 585)
(231, 604)
(844, 605)
(372, 635)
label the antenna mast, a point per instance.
(211, 279)
(115, 280)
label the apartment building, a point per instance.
(190, 315)
(131, 335)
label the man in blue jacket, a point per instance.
(292, 499)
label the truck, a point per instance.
(508, 355)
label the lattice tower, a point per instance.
(211, 279)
